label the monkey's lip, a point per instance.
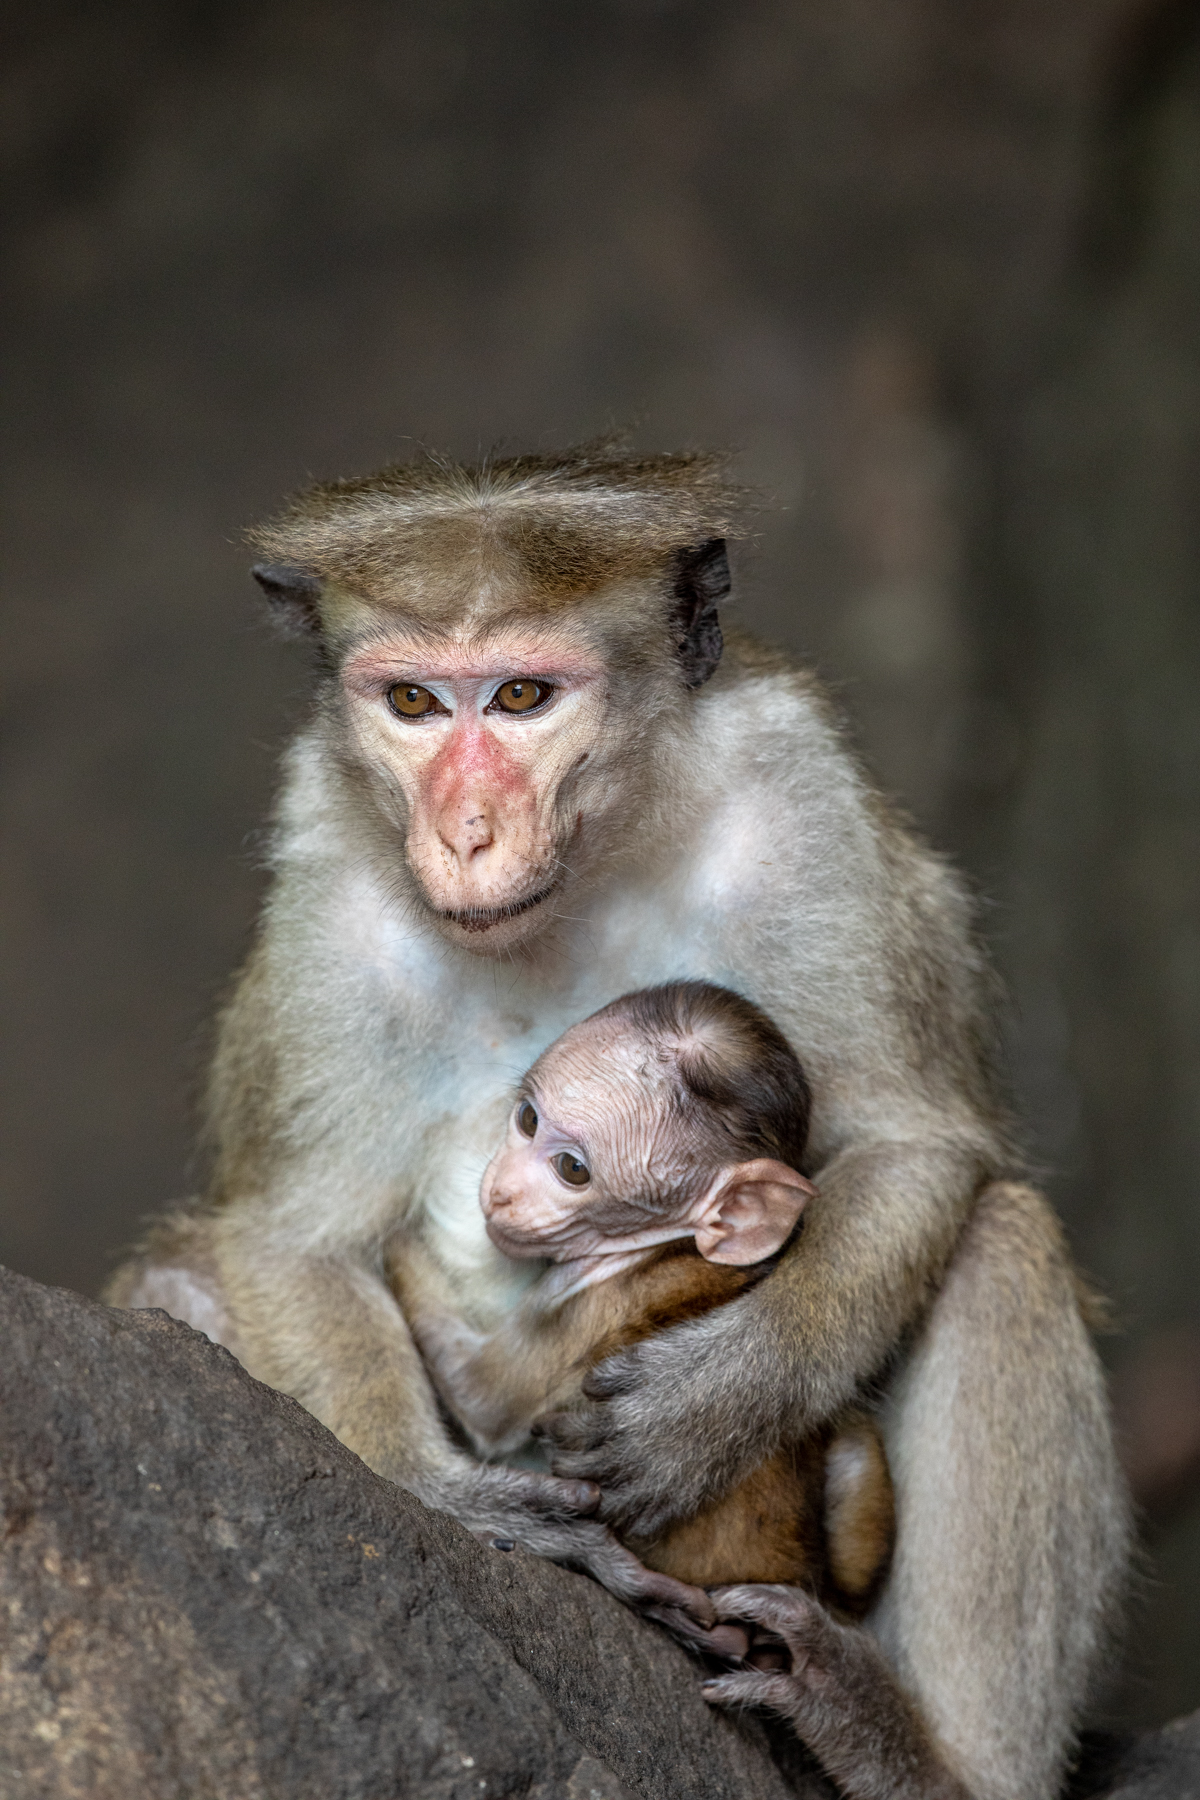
(513, 1244)
(482, 918)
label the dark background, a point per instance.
(933, 268)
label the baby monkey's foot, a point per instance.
(834, 1685)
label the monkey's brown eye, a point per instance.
(521, 696)
(573, 1172)
(527, 1120)
(411, 701)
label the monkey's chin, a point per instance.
(490, 930)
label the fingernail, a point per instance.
(504, 1543)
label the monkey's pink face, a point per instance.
(486, 744)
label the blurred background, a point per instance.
(933, 270)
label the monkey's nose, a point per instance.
(467, 836)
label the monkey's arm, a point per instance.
(789, 1354)
(840, 1695)
(497, 1384)
(1012, 1524)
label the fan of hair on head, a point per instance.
(552, 527)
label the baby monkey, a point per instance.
(652, 1156)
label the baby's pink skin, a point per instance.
(600, 1096)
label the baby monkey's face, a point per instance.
(594, 1164)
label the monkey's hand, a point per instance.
(832, 1682)
(676, 1420)
(507, 1507)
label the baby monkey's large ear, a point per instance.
(750, 1212)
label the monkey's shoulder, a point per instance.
(767, 720)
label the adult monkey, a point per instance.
(528, 788)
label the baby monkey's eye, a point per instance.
(526, 1120)
(573, 1172)
(411, 701)
(521, 696)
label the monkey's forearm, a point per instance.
(494, 1384)
(532, 1363)
(786, 1356)
(874, 1248)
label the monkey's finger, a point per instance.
(572, 1430)
(748, 1687)
(624, 1574)
(555, 1494)
(728, 1641)
(623, 1504)
(787, 1611)
(664, 1590)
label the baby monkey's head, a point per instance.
(677, 1111)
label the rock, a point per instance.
(204, 1596)
(1159, 1765)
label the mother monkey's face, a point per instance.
(502, 721)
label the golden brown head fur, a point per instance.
(422, 535)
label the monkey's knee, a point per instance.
(177, 1271)
(860, 1514)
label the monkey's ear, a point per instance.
(750, 1212)
(702, 581)
(294, 595)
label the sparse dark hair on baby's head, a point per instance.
(730, 1067)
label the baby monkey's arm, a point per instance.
(496, 1384)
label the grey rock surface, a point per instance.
(204, 1596)
(202, 1593)
(1158, 1765)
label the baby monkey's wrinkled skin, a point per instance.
(595, 1167)
(674, 1115)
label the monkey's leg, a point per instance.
(1013, 1520)
(175, 1269)
(326, 1330)
(841, 1697)
(860, 1512)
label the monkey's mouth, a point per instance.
(482, 918)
